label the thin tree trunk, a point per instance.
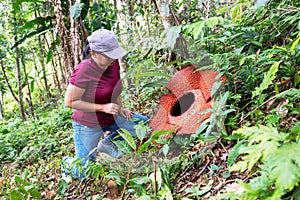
(20, 82)
(1, 104)
(7, 82)
(169, 19)
(38, 82)
(55, 74)
(29, 99)
(207, 9)
(44, 71)
(165, 13)
(63, 79)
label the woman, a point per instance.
(94, 94)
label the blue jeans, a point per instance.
(86, 138)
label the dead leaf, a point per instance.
(233, 187)
(280, 109)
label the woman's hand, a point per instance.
(111, 108)
(125, 113)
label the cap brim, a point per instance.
(117, 53)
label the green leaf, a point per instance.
(260, 133)
(144, 197)
(236, 12)
(268, 78)
(35, 193)
(213, 21)
(62, 187)
(260, 3)
(128, 137)
(157, 177)
(172, 35)
(155, 84)
(166, 192)
(16, 195)
(234, 153)
(263, 141)
(140, 180)
(18, 179)
(256, 43)
(196, 29)
(154, 137)
(196, 192)
(140, 131)
(115, 176)
(75, 10)
(124, 146)
(284, 166)
(152, 74)
(295, 43)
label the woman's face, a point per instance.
(101, 59)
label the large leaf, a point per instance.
(37, 22)
(260, 3)
(141, 131)
(140, 180)
(128, 137)
(37, 32)
(172, 35)
(124, 146)
(75, 10)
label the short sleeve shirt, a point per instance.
(101, 86)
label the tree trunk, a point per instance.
(54, 67)
(207, 9)
(168, 20)
(165, 13)
(62, 73)
(44, 71)
(29, 99)
(1, 104)
(63, 36)
(76, 44)
(7, 82)
(20, 82)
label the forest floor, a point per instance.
(210, 175)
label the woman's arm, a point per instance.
(73, 100)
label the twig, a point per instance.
(125, 186)
(223, 146)
(276, 96)
(127, 179)
(286, 81)
(202, 170)
(154, 186)
(290, 9)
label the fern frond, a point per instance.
(263, 141)
(283, 165)
(268, 78)
(260, 133)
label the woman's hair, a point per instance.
(86, 51)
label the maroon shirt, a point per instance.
(101, 86)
